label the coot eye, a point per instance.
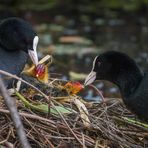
(99, 63)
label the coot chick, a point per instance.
(121, 70)
(18, 41)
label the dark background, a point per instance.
(92, 26)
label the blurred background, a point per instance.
(75, 31)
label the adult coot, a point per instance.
(17, 41)
(121, 70)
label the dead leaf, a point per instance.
(83, 111)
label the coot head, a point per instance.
(113, 66)
(123, 71)
(17, 34)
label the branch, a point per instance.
(14, 115)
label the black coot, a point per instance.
(121, 70)
(17, 41)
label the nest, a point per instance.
(108, 127)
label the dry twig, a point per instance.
(15, 116)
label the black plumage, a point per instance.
(16, 39)
(122, 70)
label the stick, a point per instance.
(15, 116)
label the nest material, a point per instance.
(108, 128)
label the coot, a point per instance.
(18, 40)
(121, 70)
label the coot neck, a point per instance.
(128, 82)
(5, 47)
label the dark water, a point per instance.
(126, 34)
(64, 63)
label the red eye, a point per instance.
(99, 63)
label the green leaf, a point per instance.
(44, 108)
(135, 122)
(61, 109)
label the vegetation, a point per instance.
(83, 5)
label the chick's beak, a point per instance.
(33, 53)
(90, 78)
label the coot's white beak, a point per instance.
(90, 78)
(33, 53)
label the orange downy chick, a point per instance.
(73, 87)
(40, 72)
